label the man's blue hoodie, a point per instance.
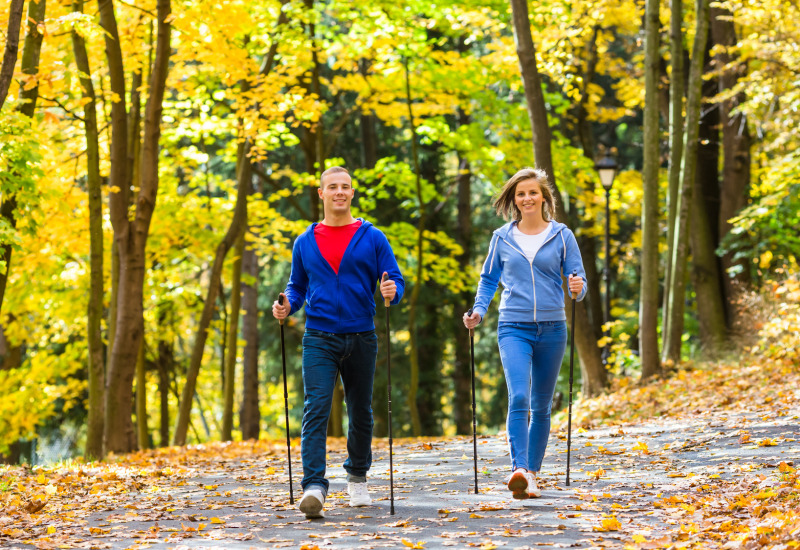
(341, 303)
(532, 290)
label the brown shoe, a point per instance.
(518, 485)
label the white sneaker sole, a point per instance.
(356, 503)
(311, 507)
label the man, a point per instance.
(335, 267)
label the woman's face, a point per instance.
(528, 198)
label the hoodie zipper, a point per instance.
(530, 262)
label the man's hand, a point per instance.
(472, 321)
(281, 312)
(388, 287)
(575, 285)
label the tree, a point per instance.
(94, 436)
(648, 297)
(594, 379)
(672, 310)
(12, 45)
(131, 234)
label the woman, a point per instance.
(529, 256)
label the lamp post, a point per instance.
(607, 169)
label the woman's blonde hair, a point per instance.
(504, 200)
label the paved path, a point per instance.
(223, 501)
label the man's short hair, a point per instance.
(332, 170)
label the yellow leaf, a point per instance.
(638, 539)
(407, 543)
(217, 520)
(767, 442)
(51, 530)
(596, 474)
(609, 524)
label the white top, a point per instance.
(530, 244)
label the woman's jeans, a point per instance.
(531, 355)
(324, 356)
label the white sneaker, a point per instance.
(533, 488)
(518, 484)
(311, 504)
(359, 495)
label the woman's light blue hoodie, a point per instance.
(532, 290)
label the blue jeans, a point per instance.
(531, 355)
(324, 356)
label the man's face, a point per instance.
(336, 193)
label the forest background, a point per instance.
(158, 158)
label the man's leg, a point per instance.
(320, 366)
(358, 374)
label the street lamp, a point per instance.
(607, 168)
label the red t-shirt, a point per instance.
(333, 240)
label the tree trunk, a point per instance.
(369, 154)
(31, 51)
(250, 417)
(131, 236)
(336, 418)
(94, 435)
(142, 433)
(704, 237)
(671, 342)
(166, 366)
(648, 299)
(736, 155)
(413, 383)
(593, 372)
(233, 337)
(12, 46)
(586, 243)
(462, 369)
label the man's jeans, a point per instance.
(531, 355)
(324, 356)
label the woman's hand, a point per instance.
(472, 321)
(575, 285)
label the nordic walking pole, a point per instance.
(386, 302)
(474, 417)
(571, 361)
(286, 409)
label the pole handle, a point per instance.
(386, 301)
(574, 294)
(469, 314)
(280, 302)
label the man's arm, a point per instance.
(386, 262)
(298, 279)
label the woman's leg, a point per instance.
(515, 353)
(548, 352)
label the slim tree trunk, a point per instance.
(166, 366)
(94, 436)
(462, 375)
(233, 337)
(671, 343)
(413, 384)
(142, 433)
(593, 372)
(587, 243)
(736, 155)
(31, 51)
(704, 261)
(250, 417)
(11, 48)
(131, 235)
(648, 299)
